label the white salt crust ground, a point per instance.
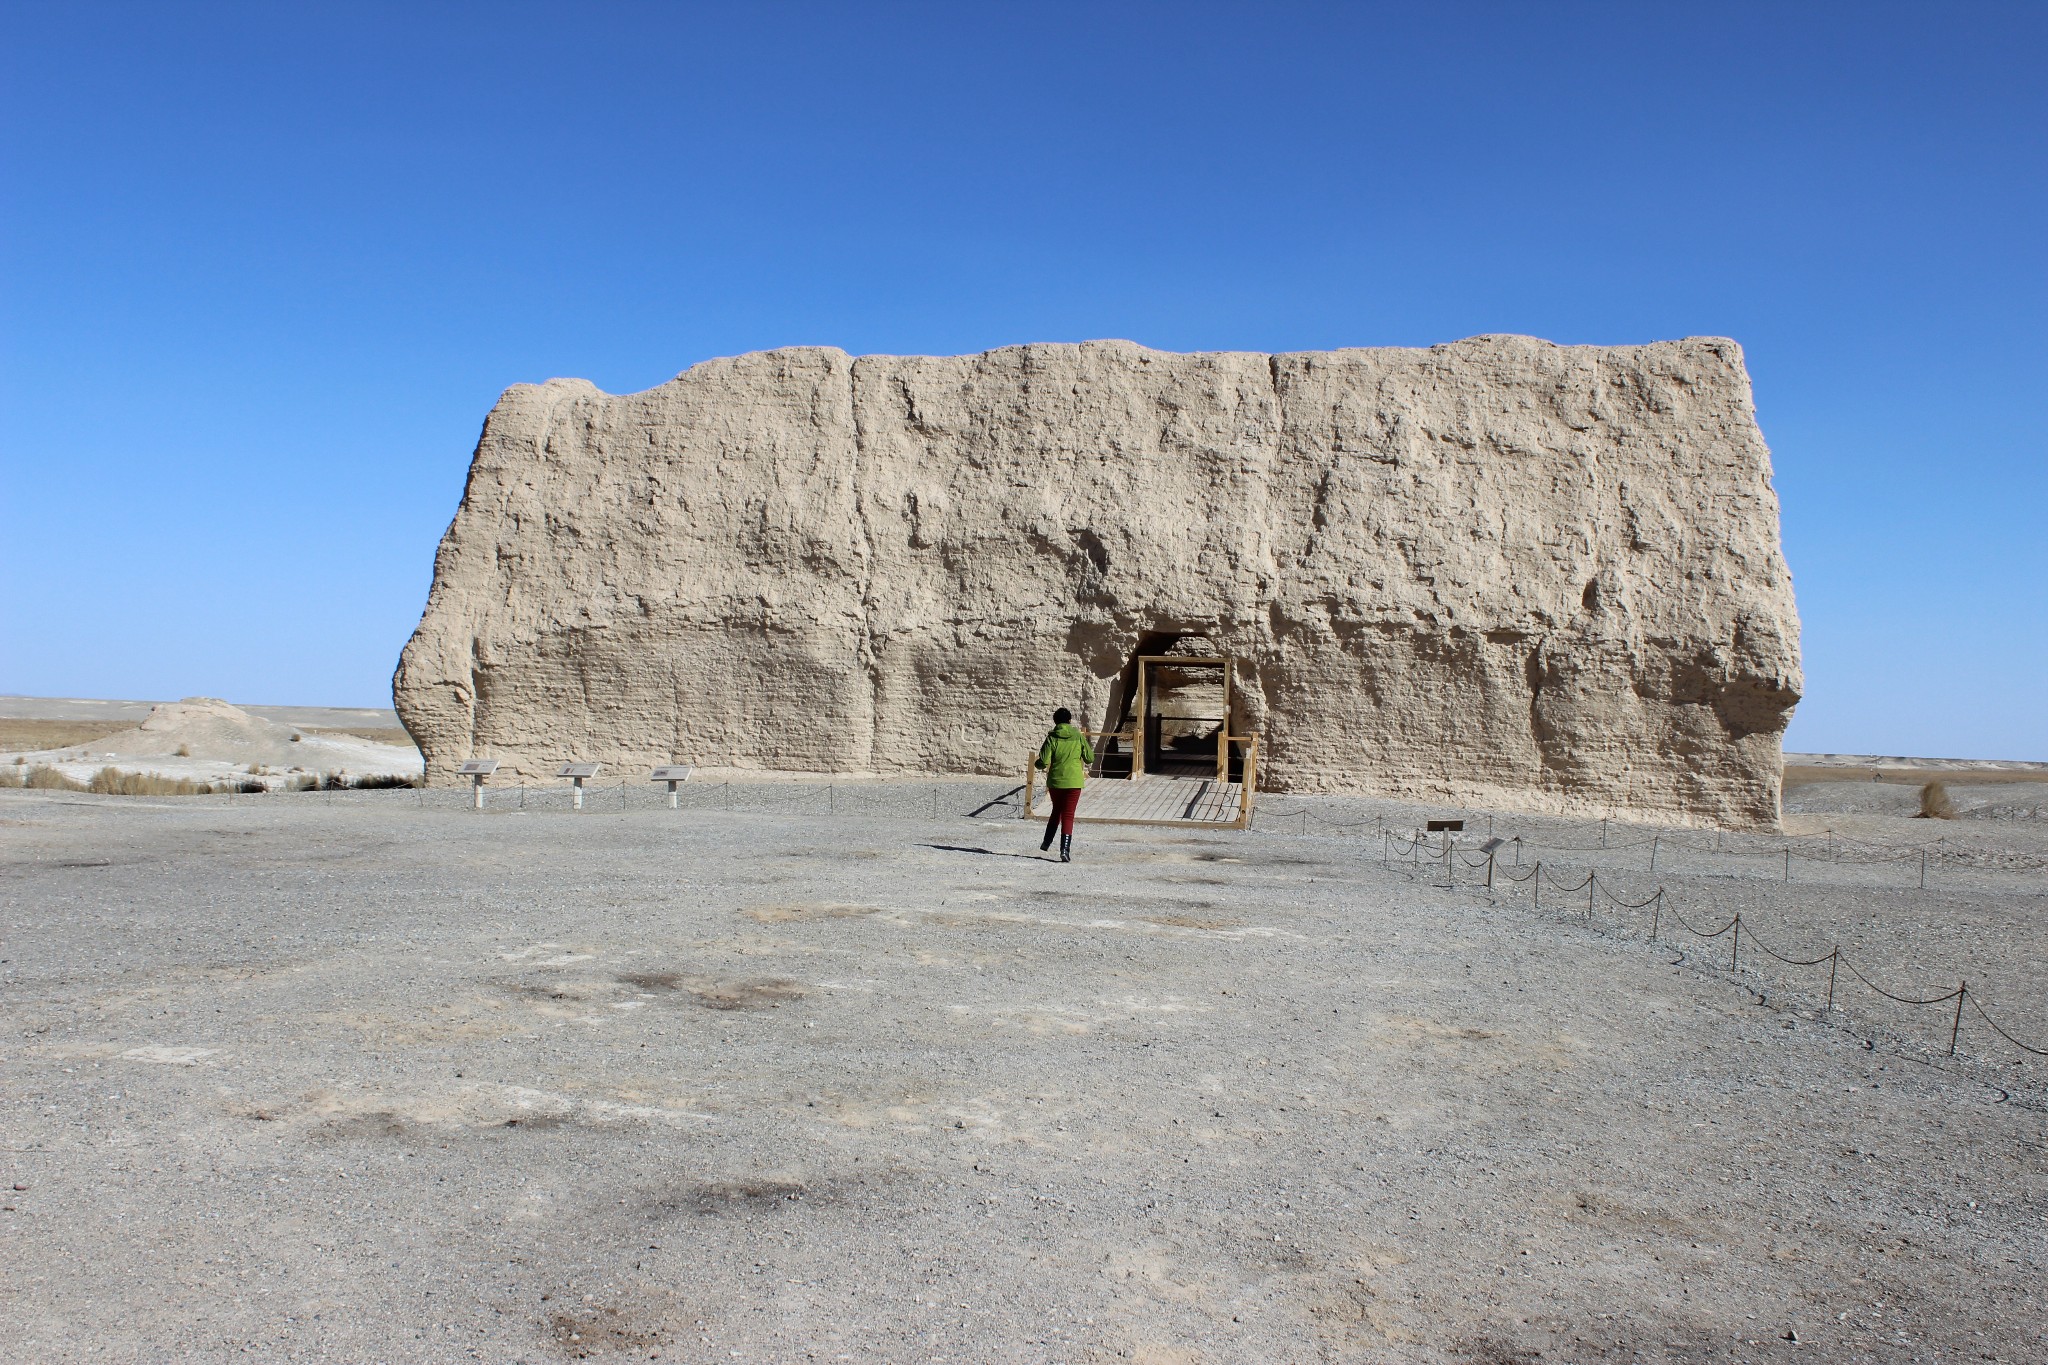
(374, 1078)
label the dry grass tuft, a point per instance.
(1935, 803)
(377, 781)
(45, 779)
(114, 782)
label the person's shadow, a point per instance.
(984, 852)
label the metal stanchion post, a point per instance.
(1834, 961)
(1962, 990)
(1735, 944)
(1653, 852)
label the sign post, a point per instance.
(576, 772)
(675, 774)
(476, 770)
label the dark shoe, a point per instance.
(1066, 848)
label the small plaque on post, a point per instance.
(674, 774)
(476, 770)
(1438, 826)
(576, 772)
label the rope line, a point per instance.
(1903, 1000)
(1691, 928)
(1978, 1006)
(1756, 942)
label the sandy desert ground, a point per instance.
(371, 1077)
(200, 740)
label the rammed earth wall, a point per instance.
(1498, 571)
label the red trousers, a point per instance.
(1064, 799)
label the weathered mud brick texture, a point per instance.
(1496, 572)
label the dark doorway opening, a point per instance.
(1172, 713)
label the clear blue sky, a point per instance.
(264, 268)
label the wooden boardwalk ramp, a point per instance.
(1151, 801)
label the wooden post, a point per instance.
(1030, 788)
(1251, 778)
(1222, 751)
(1138, 730)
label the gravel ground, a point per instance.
(380, 1079)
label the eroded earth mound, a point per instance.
(1499, 571)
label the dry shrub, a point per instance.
(1935, 803)
(114, 782)
(45, 779)
(184, 751)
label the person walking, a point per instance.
(1064, 758)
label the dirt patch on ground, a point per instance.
(1211, 922)
(33, 736)
(592, 1330)
(714, 994)
(801, 913)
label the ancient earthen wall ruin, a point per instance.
(1498, 571)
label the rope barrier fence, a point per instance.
(1779, 852)
(1740, 934)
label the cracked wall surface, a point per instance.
(1493, 572)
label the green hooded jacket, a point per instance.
(1065, 756)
